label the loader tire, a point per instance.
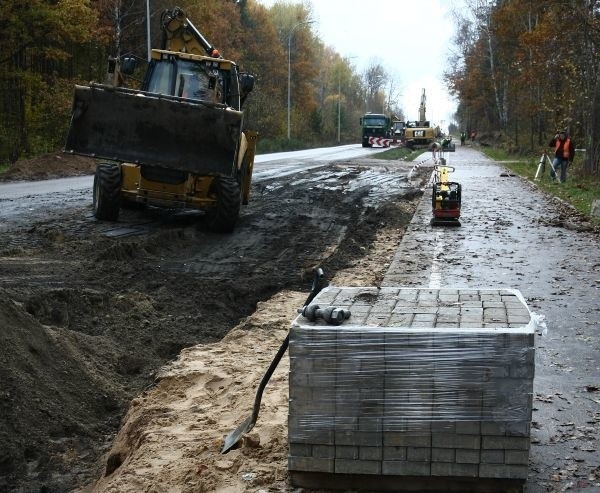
(107, 191)
(223, 217)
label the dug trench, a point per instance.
(91, 311)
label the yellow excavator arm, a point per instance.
(422, 108)
(179, 34)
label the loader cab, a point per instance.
(193, 77)
(194, 81)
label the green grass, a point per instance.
(3, 167)
(578, 190)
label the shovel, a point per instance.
(247, 425)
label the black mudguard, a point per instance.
(138, 127)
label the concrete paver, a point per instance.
(399, 394)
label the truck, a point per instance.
(420, 133)
(177, 141)
(374, 125)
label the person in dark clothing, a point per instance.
(564, 152)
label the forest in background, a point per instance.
(525, 68)
(519, 69)
(47, 46)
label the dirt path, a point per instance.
(91, 311)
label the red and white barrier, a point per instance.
(380, 141)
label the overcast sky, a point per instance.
(410, 38)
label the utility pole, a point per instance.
(148, 29)
(339, 108)
(339, 105)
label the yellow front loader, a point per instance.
(176, 142)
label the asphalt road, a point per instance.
(265, 166)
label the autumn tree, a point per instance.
(37, 60)
(263, 56)
(526, 68)
(338, 108)
(49, 46)
(374, 78)
(292, 21)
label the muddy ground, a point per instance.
(90, 311)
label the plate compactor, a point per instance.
(445, 198)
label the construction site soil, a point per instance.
(95, 315)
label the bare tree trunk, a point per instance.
(499, 105)
(499, 92)
(592, 156)
(22, 123)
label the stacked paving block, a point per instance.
(417, 383)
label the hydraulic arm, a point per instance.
(179, 34)
(422, 108)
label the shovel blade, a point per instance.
(235, 436)
(147, 129)
(248, 424)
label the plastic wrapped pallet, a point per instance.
(421, 383)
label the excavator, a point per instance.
(176, 142)
(420, 133)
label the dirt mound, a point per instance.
(53, 165)
(40, 371)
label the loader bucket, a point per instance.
(125, 125)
